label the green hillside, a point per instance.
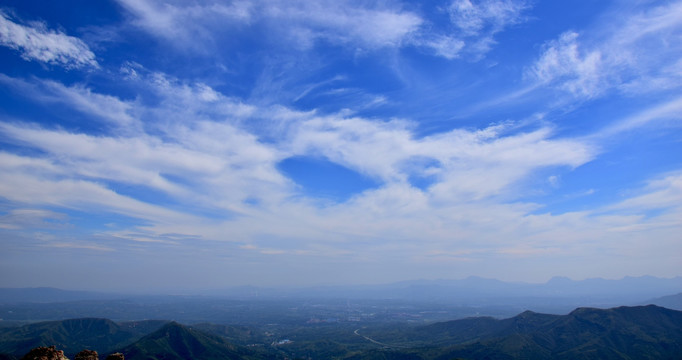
(177, 342)
(645, 332)
(72, 336)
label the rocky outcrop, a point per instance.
(86, 355)
(51, 353)
(45, 353)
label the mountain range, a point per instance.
(642, 332)
(646, 332)
(470, 290)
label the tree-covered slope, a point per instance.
(644, 332)
(177, 342)
(71, 336)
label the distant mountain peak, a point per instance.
(527, 313)
(175, 341)
(559, 280)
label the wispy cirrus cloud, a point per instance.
(627, 54)
(35, 41)
(108, 109)
(485, 16)
(372, 27)
(203, 140)
(303, 22)
(477, 22)
(178, 21)
(563, 62)
(355, 25)
(449, 47)
(665, 112)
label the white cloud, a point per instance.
(562, 61)
(202, 165)
(467, 164)
(181, 99)
(36, 42)
(477, 22)
(205, 156)
(182, 22)
(212, 155)
(358, 26)
(338, 22)
(446, 46)
(195, 153)
(635, 52)
(26, 188)
(474, 18)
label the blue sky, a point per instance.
(186, 145)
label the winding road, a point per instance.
(356, 332)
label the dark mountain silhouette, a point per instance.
(644, 332)
(73, 335)
(638, 333)
(471, 329)
(177, 342)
